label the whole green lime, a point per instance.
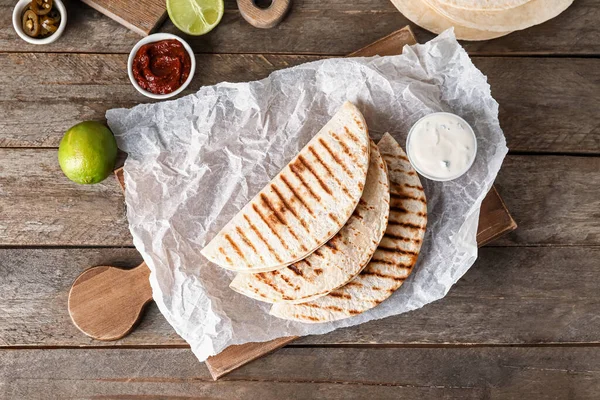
(87, 152)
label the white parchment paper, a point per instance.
(194, 162)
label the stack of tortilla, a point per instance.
(335, 233)
(480, 19)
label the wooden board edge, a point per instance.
(404, 35)
(233, 357)
(124, 22)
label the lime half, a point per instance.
(195, 17)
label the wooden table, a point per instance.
(522, 322)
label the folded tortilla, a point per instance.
(426, 17)
(304, 206)
(524, 16)
(394, 258)
(340, 259)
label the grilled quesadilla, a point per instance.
(336, 262)
(394, 258)
(304, 206)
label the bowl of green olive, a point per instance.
(39, 21)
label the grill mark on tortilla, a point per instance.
(332, 246)
(297, 173)
(296, 270)
(387, 262)
(269, 205)
(334, 218)
(386, 249)
(307, 262)
(399, 210)
(222, 251)
(333, 308)
(270, 226)
(297, 195)
(412, 186)
(264, 279)
(405, 196)
(406, 225)
(340, 295)
(255, 290)
(336, 158)
(281, 219)
(352, 136)
(395, 156)
(354, 312)
(241, 233)
(354, 283)
(235, 247)
(318, 253)
(384, 276)
(356, 214)
(289, 207)
(402, 238)
(329, 172)
(344, 147)
(262, 238)
(310, 317)
(318, 271)
(289, 283)
(314, 173)
(358, 123)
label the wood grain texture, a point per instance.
(554, 199)
(40, 206)
(314, 27)
(306, 373)
(508, 297)
(546, 104)
(141, 16)
(105, 302)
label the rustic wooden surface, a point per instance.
(521, 323)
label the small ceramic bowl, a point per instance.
(157, 37)
(18, 16)
(437, 178)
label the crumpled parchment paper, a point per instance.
(194, 162)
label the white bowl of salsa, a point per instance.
(161, 65)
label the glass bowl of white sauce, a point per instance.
(441, 146)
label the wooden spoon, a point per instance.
(106, 302)
(264, 17)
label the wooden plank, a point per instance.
(40, 206)
(541, 106)
(554, 200)
(308, 373)
(507, 297)
(331, 28)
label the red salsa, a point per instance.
(161, 67)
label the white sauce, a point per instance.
(441, 146)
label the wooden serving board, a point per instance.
(494, 221)
(141, 16)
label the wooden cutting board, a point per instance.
(494, 221)
(141, 16)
